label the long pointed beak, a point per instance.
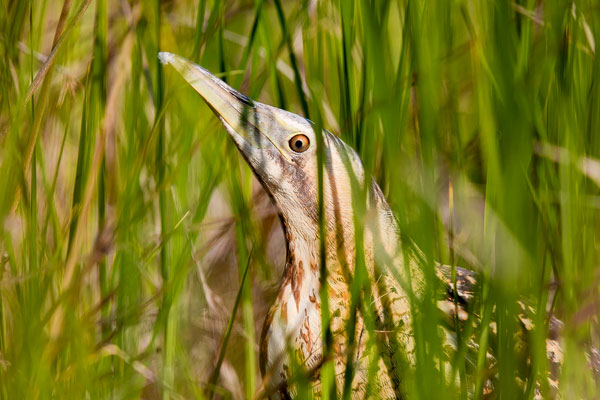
(235, 109)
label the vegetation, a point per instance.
(128, 221)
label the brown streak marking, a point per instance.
(308, 337)
(283, 312)
(313, 299)
(314, 267)
(297, 278)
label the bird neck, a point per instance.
(302, 274)
(301, 278)
(294, 320)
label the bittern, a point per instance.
(281, 149)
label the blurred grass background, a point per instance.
(128, 220)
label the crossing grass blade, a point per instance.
(223, 347)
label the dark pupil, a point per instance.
(298, 144)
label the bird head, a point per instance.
(281, 148)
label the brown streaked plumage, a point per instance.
(280, 148)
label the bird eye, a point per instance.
(299, 143)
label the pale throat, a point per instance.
(300, 284)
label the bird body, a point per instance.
(359, 241)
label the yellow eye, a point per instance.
(299, 143)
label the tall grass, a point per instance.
(128, 221)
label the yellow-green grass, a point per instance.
(128, 220)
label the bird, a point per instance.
(329, 243)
